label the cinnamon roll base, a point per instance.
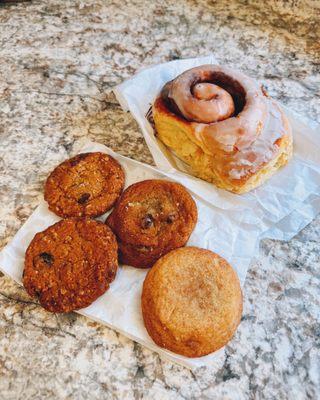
(180, 136)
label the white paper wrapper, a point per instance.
(217, 229)
(279, 208)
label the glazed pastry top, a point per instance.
(232, 117)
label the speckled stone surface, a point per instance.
(59, 60)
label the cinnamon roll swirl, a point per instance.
(224, 126)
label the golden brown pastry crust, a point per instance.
(151, 218)
(191, 302)
(227, 166)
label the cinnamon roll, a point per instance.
(224, 126)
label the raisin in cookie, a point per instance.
(151, 218)
(86, 185)
(191, 302)
(70, 264)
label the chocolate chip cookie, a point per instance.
(70, 264)
(151, 218)
(191, 302)
(86, 185)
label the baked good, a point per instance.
(86, 185)
(151, 218)
(224, 126)
(191, 302)
(70, 264)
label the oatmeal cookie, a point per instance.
(86, 185)
(70, 264)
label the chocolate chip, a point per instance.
(171, 218)
(111, 274)
(83, 198)
(47, 258)
(75, 160)
(147, 221)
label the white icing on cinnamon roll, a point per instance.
(230, 115)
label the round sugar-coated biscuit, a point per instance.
(86, 185)
(191, 302)
(70, 264)
(150, 219)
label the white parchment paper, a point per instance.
(279, 208)
(217, 229)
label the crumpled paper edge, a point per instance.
(276, 230)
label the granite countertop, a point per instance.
(59, 60)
